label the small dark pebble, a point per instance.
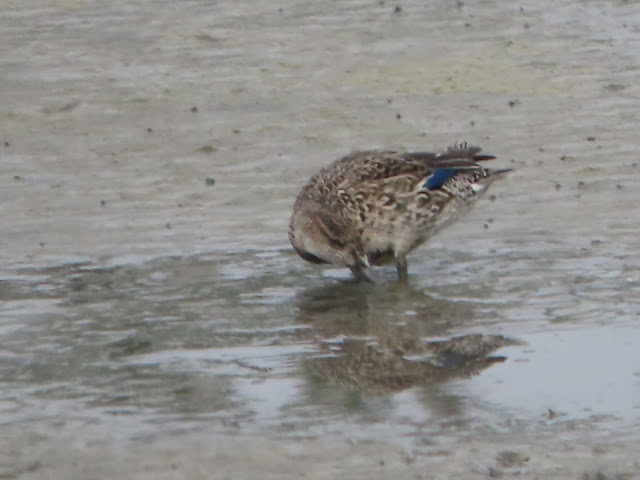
(423, 134)
(595, 241)
(580, 184)
(398, 9)
(398, 116)
(558, 186)
(493, 472)
(179, 205)
(41, 244)
(467, 24)
(6, 144)
(541, 149)
(389, 100)
(513, 103)
(472, 123)
(18, 178)
(103, 203)
(207, 149)
(527, 26)
(194, 109)
(492, 198)
(508, 44)
(149, 129)
(381, 462)
(167, 226)
(486, 226)
(509, 459)
(33, 466)
(591, 139)
(280, 10)
(613, 87)
(489, 220)
(236, 131)
(598, 475)
(634, 164)
(210, 181)
(619, 187)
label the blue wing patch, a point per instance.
(439, 177)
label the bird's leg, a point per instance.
(401, 266)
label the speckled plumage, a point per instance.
(370, 207)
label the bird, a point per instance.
(372, 207)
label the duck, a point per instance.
(373, 207)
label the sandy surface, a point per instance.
(127, 280)
(36, 455)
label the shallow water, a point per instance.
(143, 307)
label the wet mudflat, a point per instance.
(154, 321)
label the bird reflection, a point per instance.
(379, 339)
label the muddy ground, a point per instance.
(156, 324)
